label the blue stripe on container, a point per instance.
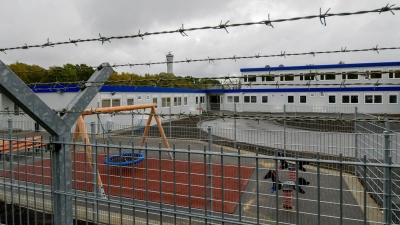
(74, 88)
(291, 90)
(314, 67)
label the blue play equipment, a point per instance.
(124, 159)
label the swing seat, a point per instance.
(124, 159)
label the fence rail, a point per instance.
(218, 174)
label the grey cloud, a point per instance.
(33, 23)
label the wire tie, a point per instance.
(3, 50)
(223, 26)
(258, 55)
(387, 8)
(268, 22)
(308, 84)
(312, 53)
(376, 49)
(283, 54)
(115, 66)
(342, 84)
(141, 35)
(47, 44)
(323, 16)
(25, 47)
(234, 58)
(74, 41)
(376, 84)
(182, 31)
(343, 50)
(148, 64)
(103, 39)
(188, 60)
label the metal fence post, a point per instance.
(59, 126)
(98, 120)
(11, 159)
(355, 141)
(234, 125)
(210, 168)
(200, 110)
(94, 171)
(10, 128)
(170, 117)
(284, 130)
(387, 186)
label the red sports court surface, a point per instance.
(131, 182)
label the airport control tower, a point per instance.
(170, 59)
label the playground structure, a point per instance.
(81, 132)
(293, 182)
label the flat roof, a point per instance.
(314, 67)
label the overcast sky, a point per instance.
(32, 22)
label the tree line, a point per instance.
(32, 74)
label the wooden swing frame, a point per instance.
(81, 132)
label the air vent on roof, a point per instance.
(267, 66)
(281, 65)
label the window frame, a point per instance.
(393, 94)
(293, 102)
(329, 99)
(393, 74)
(347, 73)
(250, 99)
(177, 101)
(166, 103)
(323, 76)
(370, 72)
(373, 99)
(270, 76)
(350, 98)
(156, 102)
(303, 76)
(283, 77)
(300, 99)
(130, 100)
(262, 99)
(246, 78)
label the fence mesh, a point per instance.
(223, 170)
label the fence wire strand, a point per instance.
(221, 26)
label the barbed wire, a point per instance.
(341, 117)
(310, 78)
(277, 85)
(221, 26)
(208, 59)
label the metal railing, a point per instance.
(379, 144)
(213, 178)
